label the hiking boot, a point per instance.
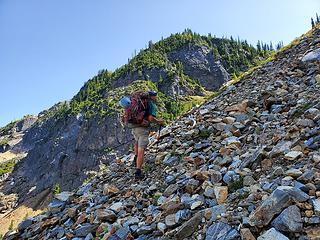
(134, 162)
(139, 174)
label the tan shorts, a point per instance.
(141, 135)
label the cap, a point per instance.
(152, 93)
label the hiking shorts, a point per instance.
(141, 136)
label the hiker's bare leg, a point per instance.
(140, 158)
(136, 149)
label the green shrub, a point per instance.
(7, 167)
(4, 142)
(56, 189)
(11, 226)
(147, 167)
(235, 185)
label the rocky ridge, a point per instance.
(10, 153)
(13, 133)
(244, 165)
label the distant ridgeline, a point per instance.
(100, 94)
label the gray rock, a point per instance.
(295, 193)
(170, 179)
(215, 176)
(144, 230)
(196, 204)
(25, 224)
(280, 198)
(281, 148)
(248, 181)
(131, 221)
(171, 160)
(312, 113)
(89, 237)
(170, 190)
(306, 123)
(189, 227)
(221, 231)
(56, 206)
(106, 215)
(314, 220)
(116, 207)
(307, 176)
(229, 177)
(316, 206)
(272, 234)
(256, 156)
(311, 56)
(170, 220)
(289, 220)
(68, 223)
(235, 164)
(276, 108)
(293, 172)
(63, 196)
(209, 192)
(121, 234)
(293, 155)
(273, 205)
(161, 227)
(85, 229)
(192, 185)
(217, 211)
(83, 190)
(60, 232)
(182, 215)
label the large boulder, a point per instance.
(272, 234)
(289, 220)
(311, 56)
(222, 231)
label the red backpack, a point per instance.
(135, 113)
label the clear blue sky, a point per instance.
(50, 48)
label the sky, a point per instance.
(49, 49)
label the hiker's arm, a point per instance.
(155, 120)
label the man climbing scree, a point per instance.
(140, 112)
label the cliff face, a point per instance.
(198, 63)
(245, 165)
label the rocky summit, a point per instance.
(245, 165)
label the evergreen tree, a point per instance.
(271, 47)
(317, 18)
(259, 46)
(312, 23)
(150, 44)
(264, 47)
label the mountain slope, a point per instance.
(245, 163)
(75, 137)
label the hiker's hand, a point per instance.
(161, 122)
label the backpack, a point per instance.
(135, 112)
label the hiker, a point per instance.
(140, 124)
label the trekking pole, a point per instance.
(159, 134)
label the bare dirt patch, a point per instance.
(30, 208)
